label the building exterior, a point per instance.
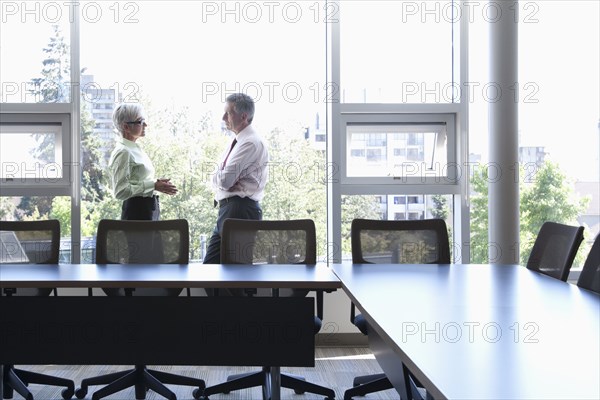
(100, 103)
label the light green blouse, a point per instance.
(131, 171)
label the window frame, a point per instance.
(404, 122)
(40, 115)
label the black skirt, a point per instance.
(141, 208)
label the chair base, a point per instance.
(263, 378)
(366, 384)
(141, 378)
(16, 380)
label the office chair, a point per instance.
(31, 242)
(590, 274)
(269, 242)
(139, 242)
(394, 242)
(554, 249)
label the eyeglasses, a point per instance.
(141, 121)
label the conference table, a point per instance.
(479, 331)
(184, 330)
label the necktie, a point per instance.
(231, 148)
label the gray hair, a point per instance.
(126, 112)
(242, 103)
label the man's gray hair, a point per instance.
(126, 112)
(242, 103)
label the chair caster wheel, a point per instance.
(81, 393)
(67, 394)
(301, 392)
(198, 394)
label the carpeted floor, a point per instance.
(335, 367)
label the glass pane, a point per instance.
(30, 152)
(35, 43)
(393, 207)
(33, 208)
(559, 149)
(400, 150)
(192, 56)
(398, 51)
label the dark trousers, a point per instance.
(233, 207)
(141, 208)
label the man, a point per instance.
(241, 175)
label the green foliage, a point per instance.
(549, 197)
(93, 179)
(52, 87)
(356, 207)
(440, 207)
(479, 217)
(296, 188)
(61, 210)
(7, 208)
(185, 151)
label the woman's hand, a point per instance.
(165, 186)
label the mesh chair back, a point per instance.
(30, 242)
(400, 242)
(143, 242)
(554, 249)
(269, 242)
(590, 274)
(397, 242)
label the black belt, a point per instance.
(153, 198)
(227, 200)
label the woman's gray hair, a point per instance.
(126, 112)
(242, 103)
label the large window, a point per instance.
(181, 60)
(398, 51)
(558, 102)
(398, 119)
(35, 68)
(366, 97)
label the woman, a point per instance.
(131, 170)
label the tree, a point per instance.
(297, 187)
(7, 209)
(93, 179)
(549, 197)
(52, 87)
(184, 150)
(356, 207)
(440, 206)
(479, 217)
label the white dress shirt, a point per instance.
(246, 172)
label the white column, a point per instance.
(503, 150)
